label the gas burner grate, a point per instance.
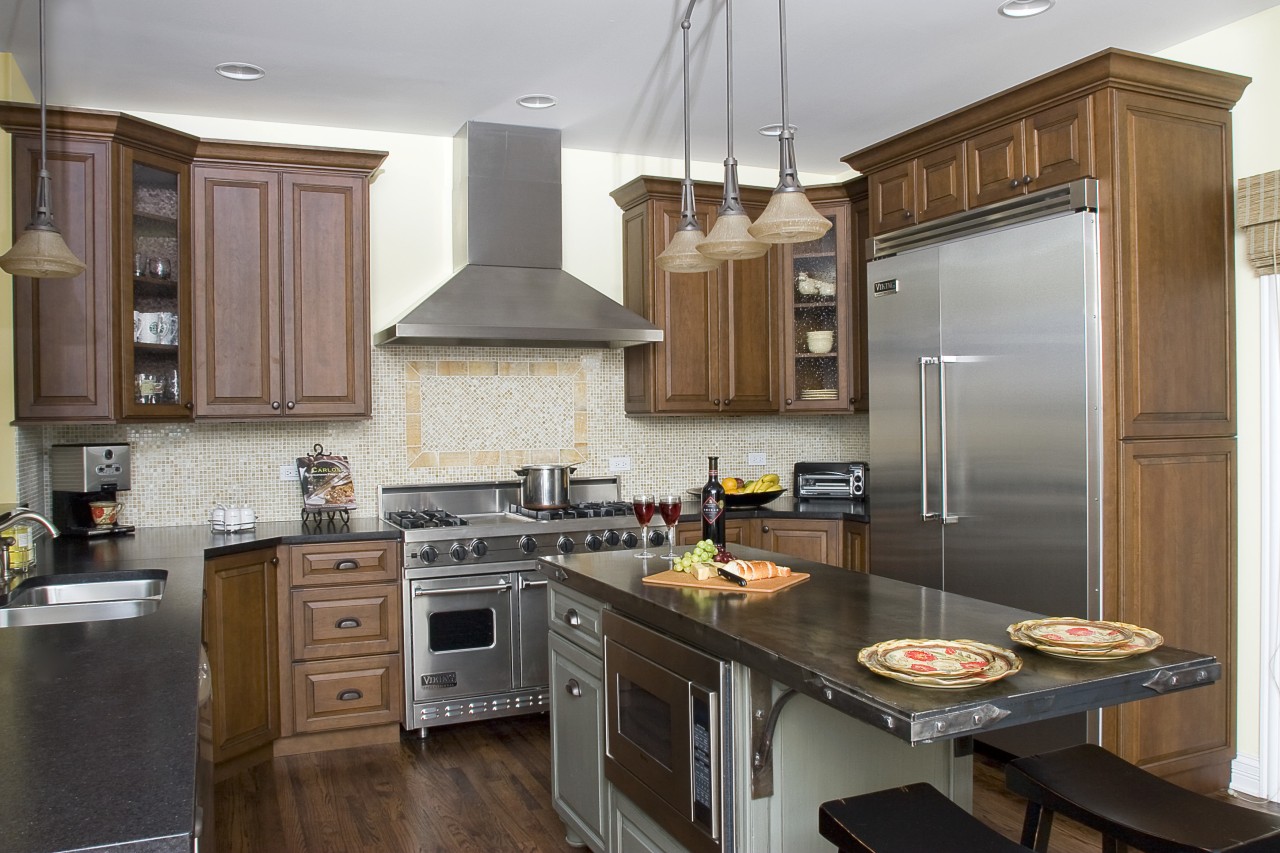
(424, 518)
(590, 509)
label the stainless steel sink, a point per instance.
(88, 597)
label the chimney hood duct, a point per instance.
(506, 229)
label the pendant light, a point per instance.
(681, 254)
(41, 252)
(789, 217)
(729, 239)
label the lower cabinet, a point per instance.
(633, 831)
(239, 628)
(857, 544)
(838, 543)
(577, 761)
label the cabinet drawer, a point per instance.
(347, 693)
(575, 617)
(345, 621)
(343, 562)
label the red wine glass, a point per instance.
(669, 509)
(643, 506)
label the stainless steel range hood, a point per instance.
(510, 290)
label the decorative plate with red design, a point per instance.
(1077, 633)
(1142, 641)
(950, 664)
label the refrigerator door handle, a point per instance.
(925, 515)
(947, 518)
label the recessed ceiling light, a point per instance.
(537, 102)
(239, 71)
(774, 130)
(1024, 8)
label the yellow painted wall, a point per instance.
(1247, 47)
(12, 88)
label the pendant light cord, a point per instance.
(728, 67)
(43, 151)
(688, 215)
(782, 47)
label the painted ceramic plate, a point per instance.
(934, 657)
(1003, 662)
(1076, 633)
(1144, 640)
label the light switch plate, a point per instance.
(619, 463)
(756, 458)
(288, 472)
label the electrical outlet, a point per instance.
(288, 472)
(619, 463)
(756, 458)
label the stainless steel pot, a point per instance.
(545, 486)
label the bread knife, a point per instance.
(730, 576)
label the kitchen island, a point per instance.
(837, 729)
(100, 721)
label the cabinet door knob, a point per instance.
(1014, 184)
(275, 561)
(907, 214)
(852, 400)
(728, 400)
(190, 405)
(349, 695)
(716, 401)
(289, 405)
(275, 404)
(1026, 179)
(573, 688)
(764, 529)
(790, 401)
(347, 622)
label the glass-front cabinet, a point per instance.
(155, 300)
(822, 361)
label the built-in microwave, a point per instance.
(667, 733)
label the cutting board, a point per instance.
(672, 578)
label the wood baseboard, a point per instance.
(322, 741)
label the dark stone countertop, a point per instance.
(98, 719)
(808, 637)
(786, 506)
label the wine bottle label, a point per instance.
(711, 509)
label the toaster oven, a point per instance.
(846, 481)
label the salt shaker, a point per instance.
(218, 518)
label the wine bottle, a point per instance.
(713, 504)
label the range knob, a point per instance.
(594, 541)
(458, 552)
(528, 544)
(629, 539)
(612, 538)
(428, 554)
(479, 547)
(657, 537)
(565, 545)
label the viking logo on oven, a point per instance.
(440, 679)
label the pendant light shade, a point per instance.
(681, 254)
(730, 239)
(789, 217)
(40, 252)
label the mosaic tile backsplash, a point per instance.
(445, 414)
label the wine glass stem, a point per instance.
(671, 541)
(644, 538)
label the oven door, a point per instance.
(533, 669)
(461, 631)
(664, 704)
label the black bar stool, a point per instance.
(1130, 806)
(911, 819)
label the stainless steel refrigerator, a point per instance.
(984, 374)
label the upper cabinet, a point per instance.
(736, 338)
(196, 301)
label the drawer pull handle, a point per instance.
(344, 565)
(349, 695)
(572, 618)
(347, 622)
(573, 688)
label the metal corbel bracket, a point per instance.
(956, 722)
(1166, 681)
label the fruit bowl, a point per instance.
(741, 499)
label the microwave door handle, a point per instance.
(947, 518)
(925, 515)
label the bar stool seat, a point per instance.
(912, 819)
(1130, 806)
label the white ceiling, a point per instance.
(860, 70)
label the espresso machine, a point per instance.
(82, 474)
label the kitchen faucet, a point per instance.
(9, 520)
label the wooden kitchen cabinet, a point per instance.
(341, 634)
(1156, 135)
(297, 346)
(824, 284)
(719, 353)
(810, 539)
(281, 291)
(239, 627)
(737, 531)
(856, 545)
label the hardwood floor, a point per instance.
(476, 788)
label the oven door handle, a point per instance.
(526, 584)
(505, 586)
